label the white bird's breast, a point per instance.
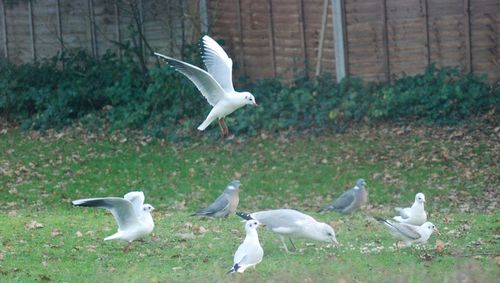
(226, 107)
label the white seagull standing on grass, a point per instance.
(250, 252)
(292, 224)
(131, 214)
(409, 234)
(415, 214)
(216, 85)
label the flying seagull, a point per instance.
(216, 85)
(292, 224)
(415, 214)
(225, 204)
(409, 234)
(249, 253)
(132, 216)
(350, 200)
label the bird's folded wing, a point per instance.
(407, 230)
(205, 83)
(279, 218)
(403, 212)
(137, 200)
(219, 65)
(220, 204)
(122, 209)
(345, 200)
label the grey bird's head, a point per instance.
(360, 184)
(233, 186)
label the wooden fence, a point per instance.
(383, 39)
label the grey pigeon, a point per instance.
(225, 204)
(415, 214)
(250, 252)
(292, 224)
(132, 216)
(350, 200)
(409, 234)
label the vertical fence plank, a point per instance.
(5, 35)
(322, 37)
(59, 27)
(303, 34)
(385, 42)
(183, 31)
(203, 16)
(338, 35)
(142, 39)
(468, 51)
(118, 33)
(425, 10)
(32, 31)
(93, 42)
(240, 35)
(271, 36)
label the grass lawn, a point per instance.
(43, 238)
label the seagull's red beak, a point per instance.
(255, 104)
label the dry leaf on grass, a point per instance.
(44, 277)
(186, 236)
(56, 232)
(439, 246)
(90, 248)
(198, 229)
(33, 225)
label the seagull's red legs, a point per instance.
(221, 127)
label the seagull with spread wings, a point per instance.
(131, 214)
(216, 85)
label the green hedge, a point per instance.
(114, 92)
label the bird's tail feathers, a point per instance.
(113, 237)
(234, 269)
(324, 208)
(244, 215)
(380, 219)
(204, 125)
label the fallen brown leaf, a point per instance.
(90, 248)
(33, 225)
(199, 230)
(439, 246)
(56, 232)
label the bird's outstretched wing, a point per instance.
(122, 209)
(205, 83)
(219, 65)
(137, 200)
